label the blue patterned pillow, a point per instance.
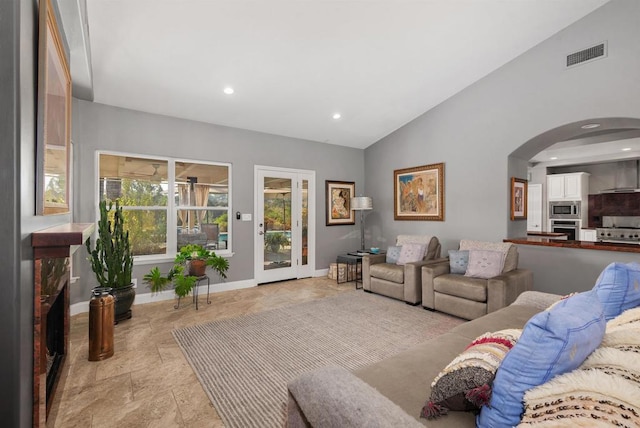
(553, 342)
(618, 288)
(458, 261)
(393, 253)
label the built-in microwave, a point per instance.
(564, 209)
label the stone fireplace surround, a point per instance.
(52, 248)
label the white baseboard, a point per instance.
(321, 272)
(143, 298)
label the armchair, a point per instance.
(402, 282)
(472, 297)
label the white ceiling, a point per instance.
(294, 63)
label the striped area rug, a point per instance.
(245, 363)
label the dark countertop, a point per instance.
(584, 245)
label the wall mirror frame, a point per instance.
(54, 116)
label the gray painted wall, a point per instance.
(18, 42)
(475, 132)
(101, 127)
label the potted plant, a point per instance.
(189, 264)
(111, 259)
(275, 241)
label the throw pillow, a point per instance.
(458, 261)
(410, 253)
(393, 252)
(618, 288)
(553, 342)
(605, 391)
(485, 264)
(465, 383)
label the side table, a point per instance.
(195, 291)
(354, 260)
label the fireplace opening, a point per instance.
(55, 343)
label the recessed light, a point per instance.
(228, 90)
(554, 158)
(590, 126)
(626, 149)
(336, 116)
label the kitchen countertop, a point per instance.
(584, 245)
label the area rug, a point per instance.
(245, 363)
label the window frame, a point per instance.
(172, 207)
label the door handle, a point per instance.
(261, 233)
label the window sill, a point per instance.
(150, 260)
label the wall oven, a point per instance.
(564, 209)
(570, 227)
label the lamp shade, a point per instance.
(361, 203)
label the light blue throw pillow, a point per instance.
(618, 288)
(553, 342)
(458, 261)
(393, 253)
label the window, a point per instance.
(168, 203)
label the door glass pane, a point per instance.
(305, 221)
(277, 223)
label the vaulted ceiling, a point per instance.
(294, 64)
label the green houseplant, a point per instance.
(275, 241)
(189, 264)
(111, 259)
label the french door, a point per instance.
(284, 224)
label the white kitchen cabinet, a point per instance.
(534, 208)
(588, 235)
(568, 187)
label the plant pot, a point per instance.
(124, 299)
(197, 267)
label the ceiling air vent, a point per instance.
(588, 54)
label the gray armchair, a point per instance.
(468, 297)
(402, 282)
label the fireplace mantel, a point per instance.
(57, 241)
(52, 248)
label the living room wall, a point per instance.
(100, 127)
(475, 132)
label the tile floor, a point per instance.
(148, 382)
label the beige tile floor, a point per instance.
(148, 382)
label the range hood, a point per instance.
(626, 178)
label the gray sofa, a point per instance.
(402, 282)
(391, 393)
(467, 297)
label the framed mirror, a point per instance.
(54, 117)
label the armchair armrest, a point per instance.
(413, 279)
(367, 261)
(334, 397)
(429, 273)
(504, 289)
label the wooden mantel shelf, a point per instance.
(55, 241)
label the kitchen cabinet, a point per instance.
(568, 187)
(534, 208)
(588, 235)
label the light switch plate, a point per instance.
(246, 217)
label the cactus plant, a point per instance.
(111, 259)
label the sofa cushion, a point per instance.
(465, 383)
(387, 271)
(618, 288)
(461, 286)
(485, 264)
(393, 252)
(458, 261)
(605, 390)
(553, 342)
(507, 248)
(411, 253)
(431, 242)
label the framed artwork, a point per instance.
(418, 193)
(518, 199)
(54, 117)
(339, 194)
